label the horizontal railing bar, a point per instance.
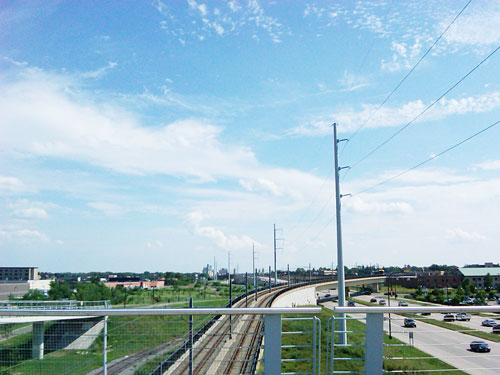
(167, 311)
(295, 332)
(296, 346)
(348, 359)
(296, 359)
(297, 373)
(411, 309)
(297, 319)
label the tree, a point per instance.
(60, 290)
(34, 295)
(488, 282)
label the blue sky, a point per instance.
(157, 135)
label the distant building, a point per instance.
(430, 279)
(208, 270)
(134, 282)
(477, 274)
(19, 273)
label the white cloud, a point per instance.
(13, 185)
(63, 126)
(99, 73)
(222, 240)
(107, 208)
(479, 27)
(350, 120)
(31, 213)
(357, 204)
(490, 165)
(25, 209)
(23, 236)
(232, 20)
(460, 235)
(156, 244)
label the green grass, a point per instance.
(406, 352)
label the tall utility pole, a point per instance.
(276, 248)
(340, 260)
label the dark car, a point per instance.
(351, 304)
(373, 300)
(410, 323)
(480, 347)
(496, 328)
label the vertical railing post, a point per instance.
(105, 347)
(191, 338)
(374, 344)
(314, 349)
(246, 289)
(272, 344)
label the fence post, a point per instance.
(191, 338)
(105, 347)
(374, 344)
(272, 344)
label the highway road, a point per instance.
(449, 346)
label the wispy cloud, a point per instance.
(397, 116)
(99, 73)
(13, 185)
(221, 239)
(232, 18)
(460, 235)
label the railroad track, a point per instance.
(208, 353)
(128, 363)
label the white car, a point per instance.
(381, 302)
(463, 316)
(403, 303)
(488, 323)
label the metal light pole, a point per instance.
(340, 259)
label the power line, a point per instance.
(407, 75)
(429, 159)
(425, 109)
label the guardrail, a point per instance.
(54, 305)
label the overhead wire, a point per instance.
(406, 76)
(430, 158)
(425, 109)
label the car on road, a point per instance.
(351, 304)
(327, 295)
(381, 302)
(403, 303)
(410, 323)
(425, 313)
(373, 300)
(488, 323)
(480, 347)
(449, 318)
(496, 328)
(463, 316)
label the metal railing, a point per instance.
(414, 340)
(110, 341)
(54, 305)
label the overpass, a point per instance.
(78, 335)
(308, 294)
